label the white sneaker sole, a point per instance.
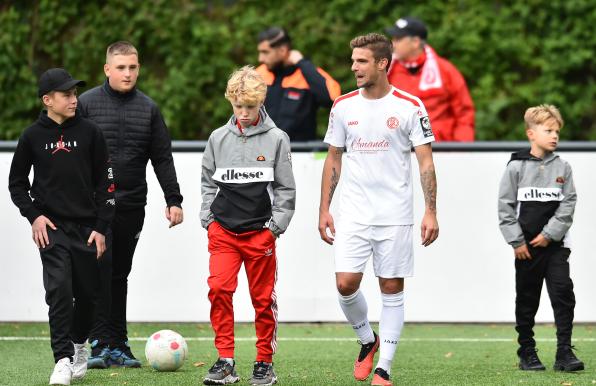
(273, 381)
(79, 375)
(59, 382)
(226, 381)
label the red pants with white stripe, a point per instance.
(256, 249)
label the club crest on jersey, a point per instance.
(261, 158)
(426, 129)
(392, 123)
(560, 180)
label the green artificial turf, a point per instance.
(319, 354)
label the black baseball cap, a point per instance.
(56, 79)
(408, 26)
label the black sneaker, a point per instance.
(566, 360)
(100, 356)
(263, 374)
(381, 378)
(121, 356)
(221, 373)
(528, 359)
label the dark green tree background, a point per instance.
(513, 54)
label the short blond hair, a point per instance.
(246, 86)
(121, 48)
(538, 115)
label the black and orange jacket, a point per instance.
(72, 177)
(293, 95)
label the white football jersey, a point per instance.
(378, 135)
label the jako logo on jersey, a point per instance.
(261, 158)
(243, 175)
(392, 123)
(539, 194)
(560, 180)
(61, 145)
(353, 123)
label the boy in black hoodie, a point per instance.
(70, 206)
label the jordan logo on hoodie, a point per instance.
(61, 145)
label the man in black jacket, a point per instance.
(69, 205)
(295, 87)
(136, 133)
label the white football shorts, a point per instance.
(390, 246)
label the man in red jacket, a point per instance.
(417, 69)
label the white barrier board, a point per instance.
(467, 275)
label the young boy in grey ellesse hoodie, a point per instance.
(536, 204)
(249, 196)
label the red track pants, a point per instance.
(257, 251)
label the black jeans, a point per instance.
(548, 264)
(71, 282)
(110, 323)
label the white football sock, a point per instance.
(390, 326)
(356, 311)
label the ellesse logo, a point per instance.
(560, 180)
(261, 158)
(540, 194)
(243, 175)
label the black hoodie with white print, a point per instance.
(72, 177)
(536, 196)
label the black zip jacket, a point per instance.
(136, 133)
(72, 178)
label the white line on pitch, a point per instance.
(311, 339)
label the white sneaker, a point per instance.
(79, 361)
(62, 372)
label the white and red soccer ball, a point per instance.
(166, 350)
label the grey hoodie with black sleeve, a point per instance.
(536, 196)
(247, 181)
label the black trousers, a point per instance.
(110, 324)
(548, 264)
(71, 282)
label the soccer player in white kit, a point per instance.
(377, 125)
